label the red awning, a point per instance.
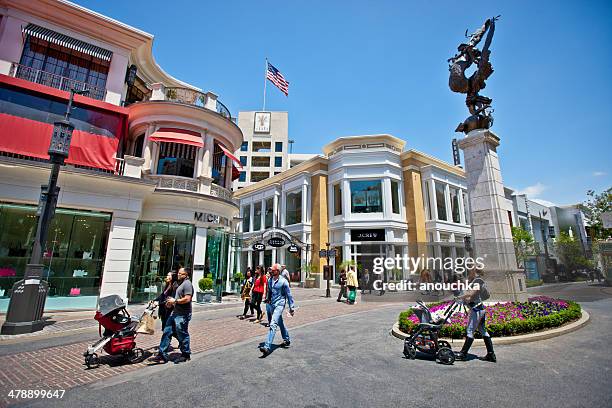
(229, 154)
(182, 136)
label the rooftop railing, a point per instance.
(206, 100)
(55, 81)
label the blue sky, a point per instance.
(365, 67)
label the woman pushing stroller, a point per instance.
(477, 314)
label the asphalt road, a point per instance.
(352, 360)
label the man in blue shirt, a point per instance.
(279, 294)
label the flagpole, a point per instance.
(265, 83)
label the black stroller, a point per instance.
(425, 337)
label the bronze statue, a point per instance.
(478, 105)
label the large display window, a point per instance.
(73, 257)
(366, 196)
(159, 248)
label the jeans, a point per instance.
(342, 292)
(181, 323)
(477, 322)
(256, 302)
(247, 304)
(276, 321)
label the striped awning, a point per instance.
(66, 41)
(181, 136)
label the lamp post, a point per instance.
(28, 295)
(544, 237)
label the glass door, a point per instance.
(217, 246)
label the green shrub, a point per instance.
(205, 284)
(534, 282)
(238, 277)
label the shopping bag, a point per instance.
(352, 295)
(147, 324)
(75, 291)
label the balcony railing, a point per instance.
(193, 97)
(218, 191)
(55, 81)
(175, 182)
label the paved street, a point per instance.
(340, 359)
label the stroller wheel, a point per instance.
(444, 343)
(446, 356)
(409, 351)
(135, 356)
(92, 361)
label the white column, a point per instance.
(386, 198)
(118, 257)
(275, 211)
(305, 203)
(346, 200)
(209, 146)
(433, 201)
(447, 203)
(461, 208)
(148, 147)
(199, 256)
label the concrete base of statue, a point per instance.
(490, 220)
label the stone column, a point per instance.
(415, 212)
(319, 234)
(118, 257)
(491, 235)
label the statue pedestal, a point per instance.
(491, 234)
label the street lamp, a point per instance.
(544, 237)
(28, 295)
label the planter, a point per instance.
(204, 297)
(310, 283)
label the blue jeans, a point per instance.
(276, 321)
(181, 323)
(476, 321)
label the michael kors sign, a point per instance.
(210, 218)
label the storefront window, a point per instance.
(246, 218)
(159, 248)
(454, 196)
(219, 167)
(73, 258)
(441, 202)
(337, 199)
(395, 197)
(269, 218)
(176, 159)
(366, 196)
(466, 207)
(257, 216)
(217, 246)
(293, 265)
(293, 213)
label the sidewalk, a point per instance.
(58, 323)
(63, 367)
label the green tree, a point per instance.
(570, 253)
(593, 208)
(524, 245)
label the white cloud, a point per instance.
(599, 173)
(533, 191)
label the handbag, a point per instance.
(75, 291)
(147, 324)
(352, 295)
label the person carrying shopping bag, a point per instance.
(352, 284)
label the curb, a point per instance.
(523, 338)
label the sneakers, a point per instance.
(182, 359)
(489, 357)
(286, 343)
(158, 359)
(461, 356)
(264, 351)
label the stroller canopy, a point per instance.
(108, 304)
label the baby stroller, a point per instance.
(120, 330)
(425, 337)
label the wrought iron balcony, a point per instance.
(55, 81)
(197, 98)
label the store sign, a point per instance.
(293, 249)
(258, 246)
(368, 235)
(210, 218)
(276, 242)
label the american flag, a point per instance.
(277, 79)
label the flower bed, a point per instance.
(504, 319)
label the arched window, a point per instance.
(138, 145)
